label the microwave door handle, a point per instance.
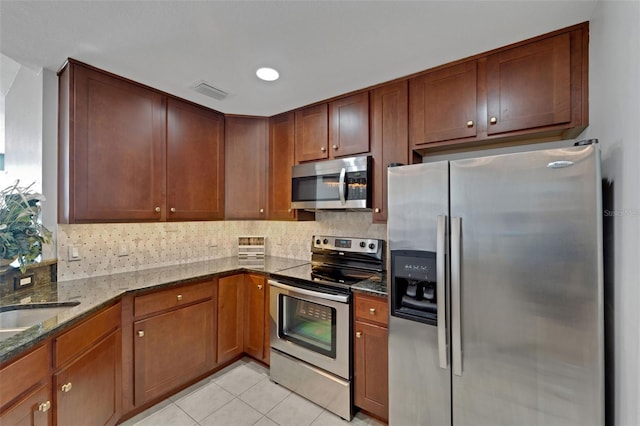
(341, 186)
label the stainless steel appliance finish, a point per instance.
(310, 319)
(521, 324)
(344, 183)
(338, 303)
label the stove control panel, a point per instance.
(350, 244)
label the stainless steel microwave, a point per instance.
(345, 183)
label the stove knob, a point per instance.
(362, 244)
(318, 241)
(325, 241)
(372, 246)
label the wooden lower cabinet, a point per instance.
(35, 409)
(171, 349)
(88, 390)
(242, 314)
(371, 380)
(256, 291)
(230, 317)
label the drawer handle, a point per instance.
(66, 388)
(358, 334)
(259, 286)
(44, 407)
(179, 298)
(372, 311)
(493, 120)
(140, 333)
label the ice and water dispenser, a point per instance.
(413, 285)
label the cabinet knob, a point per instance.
(372, 311)
(334, 147)
(44, 407)
(289, 210)
(259, 286)
(261, 210)
(470, 123)
(66, 387)
(140, 333)
(157, 209)
(173, 209)
(323, 149)
(493, 120)
(179, 298)
(377, 210)
(358, 334)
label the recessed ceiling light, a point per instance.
(267, 74)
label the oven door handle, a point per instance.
(335, 297)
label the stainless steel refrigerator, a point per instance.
(496, 290)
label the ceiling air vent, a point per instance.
(209, 90)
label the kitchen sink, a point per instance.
(14, 319)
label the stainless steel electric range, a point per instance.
(311, 319)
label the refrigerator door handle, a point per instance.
(456, 333)
(440, 292)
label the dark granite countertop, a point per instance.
(97, 292)
(374, 288)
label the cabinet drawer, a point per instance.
(81, 337)
(371, 309)
(24, 373)
(172, 298)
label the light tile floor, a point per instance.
(240, 394)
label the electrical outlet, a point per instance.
(74, 253)
(123, 250)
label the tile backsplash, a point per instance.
(151, 245)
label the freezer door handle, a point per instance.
(456, 332)
(440, 291)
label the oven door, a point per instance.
(311, 326)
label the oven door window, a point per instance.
(307, 324)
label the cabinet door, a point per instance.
(32, 410)
(195, 162)
(246, 161)
(349, 124)
(88, 391)
(255, 290)
(529, 86)
(371, 388)
(312, 133)
(172, 348)
(230, 317)
(444, 104)
(116, 150)
(281, 159)
(389, 139)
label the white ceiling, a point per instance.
(321, 48)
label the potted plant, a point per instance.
(21, 233)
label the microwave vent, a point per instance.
(209, 90)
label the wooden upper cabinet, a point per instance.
(312, 133)
(195, 162)
(537, 88)
(444, 104)
(349, 125)
(246, 140)
(281, 159)
(530, 86)
(111, 148)
(389, 139)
